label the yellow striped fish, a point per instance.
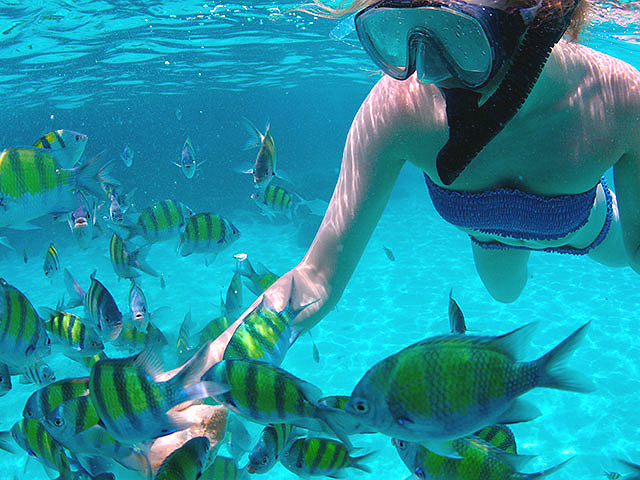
(46, 399)
(72, 145)
(311, 457)
(133, 406)
(51, 262)
(69, 331)
(477, 460)
(271, 443)
(23, 338)
(33, 184)
(5, 380)
(129, 263)
(267, 394)
(458, 384)
(224, 468)
(206, 233)
(259, 278)
(187, 462)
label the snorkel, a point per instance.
(472, 127)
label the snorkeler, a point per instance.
(513, 127)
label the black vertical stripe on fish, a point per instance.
(223, 230)
(5, 327)
(167, 211)
(208, 219)
(318, 456)
(41, 170)
(81, 416)
(23, 314)
(45, 142)
(15, 165)
(280, 390)
(59, 139)
(252, 390)
(123, 397)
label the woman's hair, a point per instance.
(347, 7)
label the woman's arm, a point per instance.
(626, 175)
(371, 162)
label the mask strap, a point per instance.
(472, 127)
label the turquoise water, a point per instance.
(149, 74)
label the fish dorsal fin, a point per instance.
(514, 343)
(149, 361)
(311, 392)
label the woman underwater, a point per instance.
(513, 126)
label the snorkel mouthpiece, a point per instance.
(472, 127)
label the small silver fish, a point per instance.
(127, 156)
(40, 374)
(51, 262)
(188, 163)
(82, 221)
(389, 254)
(264, 168)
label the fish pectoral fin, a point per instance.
(519, 411)
(442, 448)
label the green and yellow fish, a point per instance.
(33, 183)
(51, 262)
(136, 339)
(259, 278)
(207, 233)
(128, 263)
(34, 439)
(224, 468)
(187, 462)
(23, 338)
(264, 168)
(271, 443)
(68, 330)
(134, 406)
(47, 399)
(477, 460)
(449, 386)
(324, 457)
(158, 222)
(70, 143)
(267, 394)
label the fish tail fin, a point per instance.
(123, 230)
(552, 372)
(356, 461)
(548, 471)
(74, 289)
(243, 266)
(140, 261)
(91, 175)
(6, 442)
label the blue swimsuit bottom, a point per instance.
(512, 213)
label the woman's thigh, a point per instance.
(503, 272)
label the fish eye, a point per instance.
(401, 444)
(58, 422)
(47, 341)
(28, 413)
(361, 406)
(77, 137)
(1, 378)
(265, 460)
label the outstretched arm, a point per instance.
(626, 175)
(371, 162)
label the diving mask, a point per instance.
(453, 40)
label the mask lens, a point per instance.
(393, 37)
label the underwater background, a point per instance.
(149, 74)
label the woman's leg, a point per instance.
(503, 272)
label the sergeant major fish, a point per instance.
(259, 278)
(134, 406)
(187, 462)
(70, 143)
(70, 332)
(477, 382)
(264, 168)
(273, 440)
(100, 308)
(40, 374)
(51, 262)
(314, 456)
(5, 379)
(46, 399)
(33, 184)
(188, 163)
(128, 263)
(23, 339)
(207, 233)
(476, 459)
(82, 221)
